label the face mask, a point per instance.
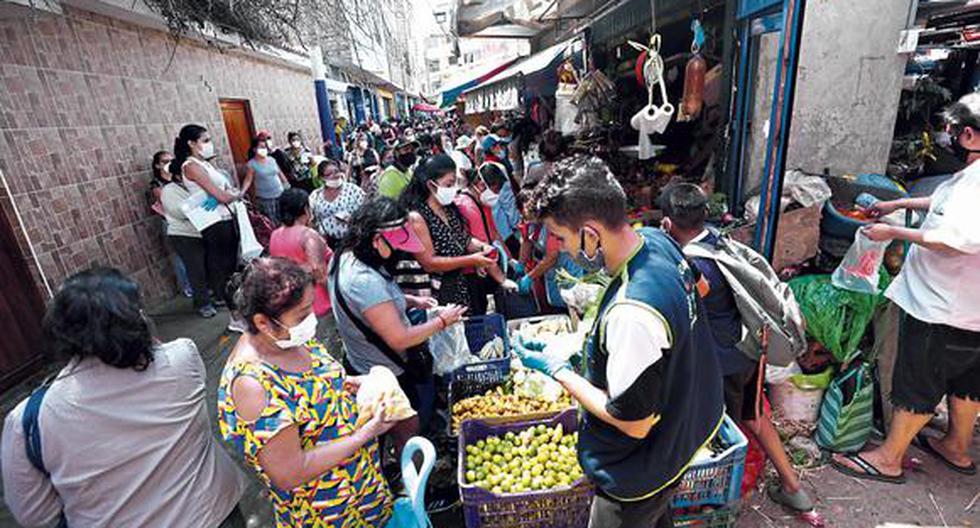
(489, 198)
(592, 263)
(334, 183)
(295, 144)
(445, 195)
(207, 150)
(299, 334)
(942, 139)
(262, 152)
(362, 145)
(406, 160)
(962, 153)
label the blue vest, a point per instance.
(630, 469)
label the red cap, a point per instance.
(263, 134)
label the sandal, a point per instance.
(798, 501)
(867, 470)
(923, 440)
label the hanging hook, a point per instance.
(698, 41)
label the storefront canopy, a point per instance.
(427, 108)
(449, 96)
(535, 75)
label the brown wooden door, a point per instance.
(237, 115)
(21, 309)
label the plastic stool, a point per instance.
(410, 511)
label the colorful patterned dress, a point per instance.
(353, 494)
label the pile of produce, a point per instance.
(537, 458)
(502, 402)
(545, 329)
(494, 349)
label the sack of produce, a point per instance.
(847, 411)
(858, 271)
(449, 347)
(380, 385)
(836, 318)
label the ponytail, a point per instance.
(182, 150)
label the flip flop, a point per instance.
(923, 440)
(798, 501)
(868, 471)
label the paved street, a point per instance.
(933, 496)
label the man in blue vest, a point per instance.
(651, 392)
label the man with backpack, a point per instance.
(729, 307)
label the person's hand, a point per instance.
(878, 232)
(352, 384)
(518, 267)
(532, 356)
(483, 259)
(451, 314)
(509, 286)
(524, 285)
(880, 209)
(422, 303)
(378, 424)
(210, 204)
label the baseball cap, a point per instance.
(493, 140)
(463, 142)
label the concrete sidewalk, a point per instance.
(933, 496)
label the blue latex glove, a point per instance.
(518, 267)
(210, 204)
(532, 355)
(524, 285)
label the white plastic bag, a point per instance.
(859, 270)
(200, 217)
(248, 246)
(449, 347)
(798, 187)
(380, 385)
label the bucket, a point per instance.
(794, 403)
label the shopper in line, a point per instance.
(263, 173)
(160, 165)
(448, 249)
(193, 148)
(685, 209)
(288, 409)
(299, 159)
(124, 432)
(333, 204)
(372, 311)
(938, 291)
(651, 395)
(394, 178)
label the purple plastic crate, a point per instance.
(566, 507)
(717, 481)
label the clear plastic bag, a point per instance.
(858, 272)
(380, 385)
(449, 348)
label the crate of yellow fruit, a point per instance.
(523, 475)
(502, 402)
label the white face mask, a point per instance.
(262, 152)
(207, 150)
(296, 144)
(334, 183)
(299, 334)
(489, 198)
(445, 195)
(362, 145)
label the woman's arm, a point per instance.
(384, 320)
(195, 173)
(542, 267)
(249, 179)
(316, 256)
(283, 457)
(31, 497)
(435, 264)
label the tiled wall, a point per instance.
(85, 101)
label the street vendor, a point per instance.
(652, 392)
(938, 291)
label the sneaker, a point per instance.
(237, 324)
(189, 293)
(207, 311)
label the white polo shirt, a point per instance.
(944, 288)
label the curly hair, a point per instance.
(578, 189)
(364, 225)
(98, 313)
(269, 286)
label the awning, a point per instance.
(449, 96)
(384, 94)
(427, 108)
(536, 74)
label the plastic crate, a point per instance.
(566, 507)
(479, 331)
(723, 517)
(717, 481)
(462, 389)
(515, 324)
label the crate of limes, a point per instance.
(523, 475)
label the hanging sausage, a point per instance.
(694, 73)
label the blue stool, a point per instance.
(410, 511)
